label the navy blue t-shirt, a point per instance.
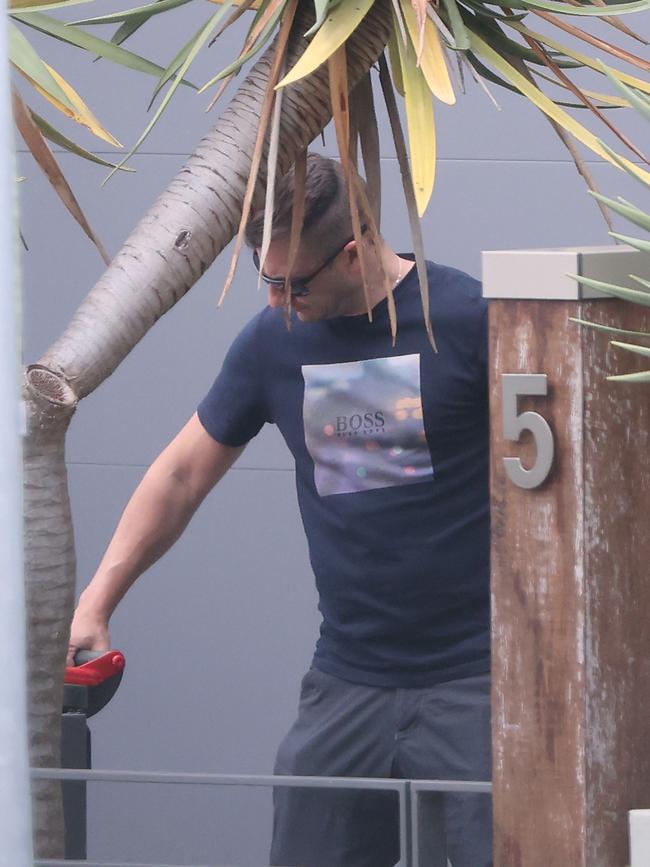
(391, 452)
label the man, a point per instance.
(391, 451)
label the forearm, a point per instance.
(154, 518)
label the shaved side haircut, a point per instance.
(327, 220)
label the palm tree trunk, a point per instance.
(169, 249)
(49, 588)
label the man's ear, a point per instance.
(351, 254)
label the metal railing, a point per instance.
(420, 804)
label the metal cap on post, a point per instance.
(639, 838)
(549, 274)
(570, 491)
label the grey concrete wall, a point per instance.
(218, 633)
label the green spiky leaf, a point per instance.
(56, 137)
(148, 10)
(457, 24)
(588, 9)
(625, 209)
(199, 41)
(643, 376)
(634, 295)
(640, 102)
(321, 8)
(637, 243)
(633, 347)
(79, 38)
(608, 328)
(25, 58)
(237, 64)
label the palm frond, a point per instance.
(265, 116)
(409, 193)
(35, 141)
(494, 40)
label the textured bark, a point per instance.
(197, 215)
(169, 249)
(49, 590)
(570, 593)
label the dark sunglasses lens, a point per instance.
(298, 289)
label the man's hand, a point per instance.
(87, 632)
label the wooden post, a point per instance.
(570, 562)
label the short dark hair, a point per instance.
(327, 219)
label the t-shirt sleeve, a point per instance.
(234, 410)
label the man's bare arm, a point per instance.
(156, 515)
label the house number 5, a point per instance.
(514, 423)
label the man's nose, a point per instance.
(276, 296)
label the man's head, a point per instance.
(327, 274)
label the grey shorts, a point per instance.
(344, 729)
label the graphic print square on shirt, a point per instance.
(363, 424)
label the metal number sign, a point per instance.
(514, 423)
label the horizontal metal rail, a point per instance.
(217, 779)
(428, 837)
(59, 863)
(473, 786)
(420, 803)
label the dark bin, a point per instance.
(88, 687)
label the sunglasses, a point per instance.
(299, 287)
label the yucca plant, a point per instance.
(489, 41)
(635, 295)
(53, 87)
(318, 64)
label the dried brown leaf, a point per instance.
(263, 20)
(420, 9)
(265, 116)
(353, 147)
(41, 152)
(271, 172)
(375, 240)
(582, 168)
(249, 43)
(602, 44)
(616, 22)
(297, 219)
(239, 11)
(247, 4)
(409, 193)
(539, 49)
(570, 145)
(224, 84)
(338, 77)
(364, 108)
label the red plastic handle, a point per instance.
(97, 670)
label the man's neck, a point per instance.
(395, 270)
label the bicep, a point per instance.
(196, 459)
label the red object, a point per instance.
(97, 670)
